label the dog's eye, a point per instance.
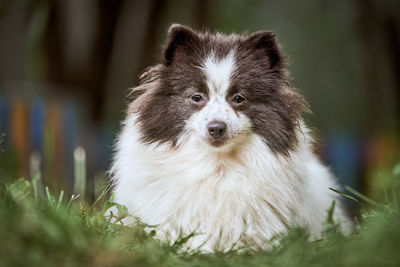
(238, 99)
(197, 98)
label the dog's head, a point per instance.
(221, 89)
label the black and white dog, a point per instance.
(215, 144)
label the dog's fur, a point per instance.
(254, 179)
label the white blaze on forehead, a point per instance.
(218, 72)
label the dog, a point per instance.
(214, 144)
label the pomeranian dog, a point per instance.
(214, 144)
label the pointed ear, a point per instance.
(180, 40)
(265, 41)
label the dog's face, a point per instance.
(221, 89)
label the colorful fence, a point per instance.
(48, 131)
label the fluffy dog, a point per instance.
(215, 144)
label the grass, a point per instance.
(43, 228)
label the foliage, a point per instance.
(40, 228)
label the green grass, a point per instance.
(41, 228)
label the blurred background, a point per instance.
(66, 67)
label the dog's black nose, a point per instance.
(216, 128)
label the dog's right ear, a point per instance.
(181, 40)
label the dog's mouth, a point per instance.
(217, 142)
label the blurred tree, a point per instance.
(379, 31)
(92, 73)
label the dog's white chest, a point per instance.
(245, 196)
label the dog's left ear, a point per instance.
(266, 42)
(181, 41)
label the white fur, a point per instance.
(231, 198)
(242, 193)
